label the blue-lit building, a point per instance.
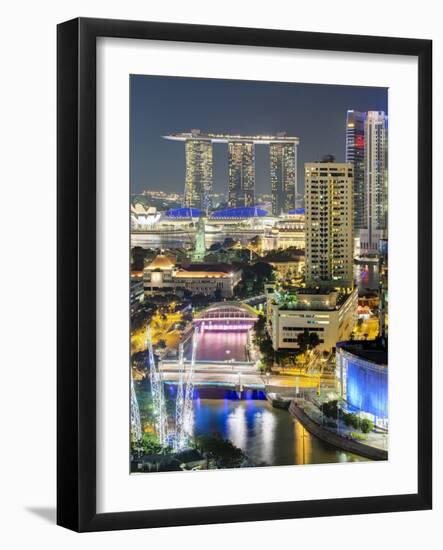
(296, 212)
(184, 213)
(239, 213)
(362, 372)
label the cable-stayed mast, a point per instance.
(180, 439)
(136, 429)
(189, 392)
(158, 396)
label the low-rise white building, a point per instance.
(328, 313)
(163, 275)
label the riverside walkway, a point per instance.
(310, 416)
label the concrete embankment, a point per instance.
(343, 443)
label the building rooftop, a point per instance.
(375, 351)
(279, 137)
(139, 208)
(184, 213)
(239, 212)
(296, 211)
(161, 261)
(313, 299)
(184, 274)
(207, 266)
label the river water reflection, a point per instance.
(267, 435)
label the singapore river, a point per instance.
(366, 277)
(268, 436)
(222, 345)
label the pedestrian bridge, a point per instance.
(226, 316)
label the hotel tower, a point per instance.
(241, 163)
(329, 223)
(241, 190)
(283, 158)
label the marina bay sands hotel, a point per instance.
(241, 162)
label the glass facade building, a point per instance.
(241, 168)
(355, 154)
(376, 179)
(198, 178)
(283, 158)
(362, 372)
(241, 163)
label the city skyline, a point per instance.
(256, 323)
(167, 105)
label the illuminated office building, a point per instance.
(376, 183)
(241, 190)
(198, 178)
(329, 223)
(355, 154)
(283, 157)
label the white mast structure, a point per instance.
(185, 393)
(179, 442)
(136, 429)
(157, 393)
(188, 407)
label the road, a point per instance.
(232, 374)
(368, 327)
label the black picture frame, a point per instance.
(76, 282)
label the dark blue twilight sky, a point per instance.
(160, 105)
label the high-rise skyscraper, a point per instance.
(355, 154)
(367, 151)
(241, 162)
(198, 179)
(283, 158)
(376, 182)
(329, 223)
(241, 190)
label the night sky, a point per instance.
(161, 105)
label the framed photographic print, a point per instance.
(244, 274)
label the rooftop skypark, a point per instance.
(279, 137)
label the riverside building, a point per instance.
(329, 223)
(292, 310)
(362, 374)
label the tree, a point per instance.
(260, 328)
(366, 425)
(267, 352)
(307, 340)
(254, 278)
(330, 409)
(151, 445)
(225, 454)
(353, 420)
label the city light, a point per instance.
(259, 313)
